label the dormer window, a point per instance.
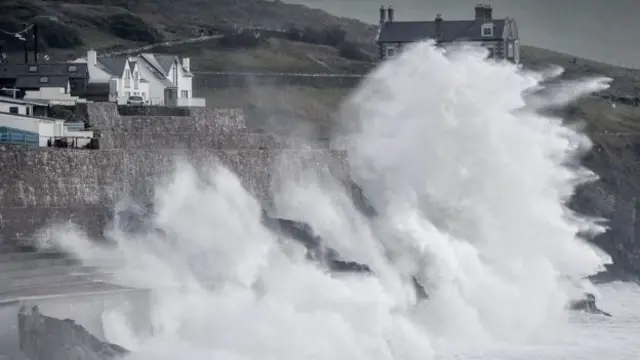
(487, 30)
(33, 68)
(44, 79)
(72, 68)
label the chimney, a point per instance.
(483, 12)
(488, 12)
(390, 12)
(186, 64)
(438, 23)
(92, 58)
(383, 15)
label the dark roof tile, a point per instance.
(73, 70)
(410, 31)
(115, 66)
(41, 81)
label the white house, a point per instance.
(160, 79)
(122, 74)
(499, 36)
(173, 75)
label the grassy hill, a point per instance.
(114, 24)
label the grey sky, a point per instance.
(605, 30)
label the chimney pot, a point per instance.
(383, 14)
(186, 64)
(483, 12)
(92, 58)
(438, 23)
(390, 12)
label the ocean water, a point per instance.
(470, 181)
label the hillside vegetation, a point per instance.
(119, 24)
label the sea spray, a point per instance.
(470, 182)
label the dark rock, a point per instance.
(588, 305)
(47, 338)
(317, 251)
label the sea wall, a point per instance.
(43, 185)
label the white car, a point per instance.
(135, 101)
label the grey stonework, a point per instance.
(43, 185)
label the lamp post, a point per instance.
(26, 27)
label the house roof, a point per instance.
(75, 70)
(165, 61)
(157, 69)
(10, 100)
(410, 31)
(115, 65)
(41, 81)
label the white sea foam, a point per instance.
(470, 181)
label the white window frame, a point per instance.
(487, 27)
(391, 51)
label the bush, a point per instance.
(333, 36)
(133, 28)
(55, 34)
(246, 39)
(351, 51)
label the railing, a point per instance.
(20, 139)
(191, 102)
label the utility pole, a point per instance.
(26, 47)
(35, 43)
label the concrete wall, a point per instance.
(42, 185)
(22, 122)
(23, 109)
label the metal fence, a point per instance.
(18, 137)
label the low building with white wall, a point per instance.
(15, 106)
(53, 89)
(47, 129)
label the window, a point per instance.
(391, 51)
(33, 68)
(487, 30)
(510, 50)
(44, 79)
(72, 68)
(28, 111)
(135, 80)
(184, 93)
(13, 109)
(127, 74)
(127, 94)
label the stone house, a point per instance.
(499, 36)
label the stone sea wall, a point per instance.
(43, 185)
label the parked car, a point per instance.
(135, 101)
